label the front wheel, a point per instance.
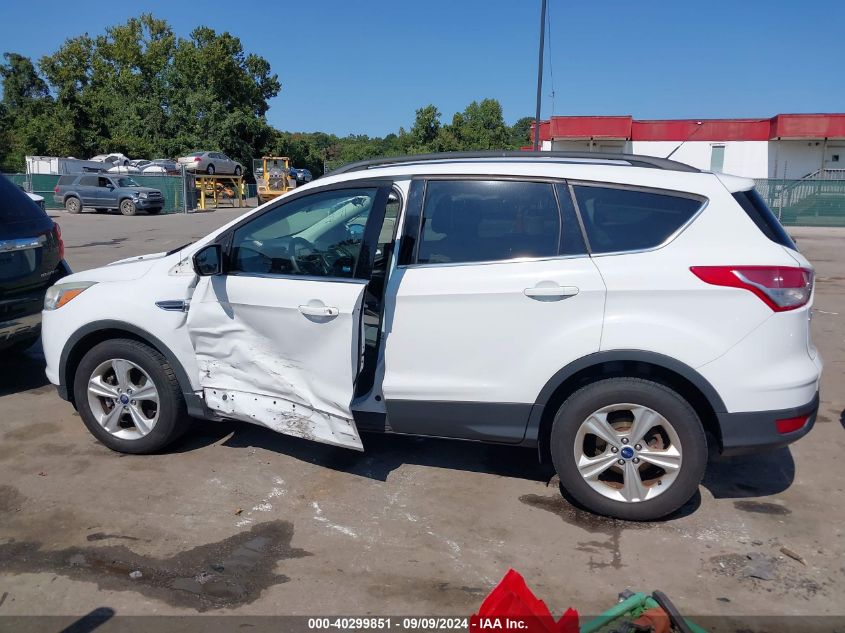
(73, 205)
(129, 398)
(127, 207)
(628, 448)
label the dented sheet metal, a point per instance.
(276, 366)
(285, 417)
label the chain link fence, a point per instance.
(805, 202)
(795, 202)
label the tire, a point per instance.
(171, 418)
(72, 204)
(210, 170)
(153, 210)
(127, 207)
(668, 422)
(238, 170)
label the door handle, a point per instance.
(551, 291)
(319, 311)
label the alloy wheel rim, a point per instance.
(123, 399)
(628, 452)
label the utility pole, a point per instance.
(540, 75)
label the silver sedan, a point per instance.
(211, 163)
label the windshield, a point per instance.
(127, 182)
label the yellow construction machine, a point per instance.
(272, 176)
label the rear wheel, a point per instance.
(72, 205)
(127, 207)
(129, 398)
(628, 448)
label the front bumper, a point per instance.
(146, 203)
(757, 430)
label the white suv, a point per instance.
(620, 313)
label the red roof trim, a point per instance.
(786, 126)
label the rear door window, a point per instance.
(88, 181)
(618, 220)
(488, 220)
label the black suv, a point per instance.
(31, 260)
(105, 191)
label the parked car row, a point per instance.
(206, 162)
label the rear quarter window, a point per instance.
(66, 180)
(619, 220)
(757, 209)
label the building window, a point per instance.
(717, 157)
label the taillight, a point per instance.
(57, 231)
(56, 189)
(781, 288)
(197, 159)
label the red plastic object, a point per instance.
(789, 425)
(511, 606)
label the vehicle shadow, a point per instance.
(754, 475)
(383, 453)
(22, 371)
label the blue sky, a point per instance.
(365, 67)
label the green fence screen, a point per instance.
(795, 202)
(805, 202)
(171, 188)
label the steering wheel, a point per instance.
(298, 243)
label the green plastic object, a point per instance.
(630, 608)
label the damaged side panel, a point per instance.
(285, 417)
(265, 358)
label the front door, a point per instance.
(277, 336)
(104, 193)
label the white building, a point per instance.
(790, 146)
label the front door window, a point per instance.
(315, 236)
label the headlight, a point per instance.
(60, 294)
(142, 195)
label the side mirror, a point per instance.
(209, 261)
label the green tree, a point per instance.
(25, 111)
(480, 126)
(141, 90)
(520, 132)
(423, 134)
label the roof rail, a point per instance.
(633, 160)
